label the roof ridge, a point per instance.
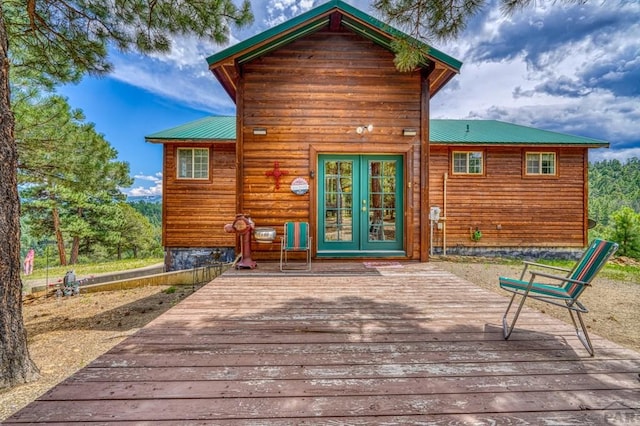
(317, 12)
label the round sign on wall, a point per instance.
(299, 186)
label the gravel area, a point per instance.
(613, 305)
(66, 334)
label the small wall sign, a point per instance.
(299, 186)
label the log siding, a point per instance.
(311, 95)
(510, 208)
(195, 211)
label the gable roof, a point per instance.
(441, 132)
(333, 15)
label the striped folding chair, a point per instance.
(559, 290)
(295, 239)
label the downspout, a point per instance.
(444, 213)
(425, 96)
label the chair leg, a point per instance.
(581, 332)
(506, 329)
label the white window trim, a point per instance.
(193, 163)
(540, 154)
(467, 172)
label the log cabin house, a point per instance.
(327, 131)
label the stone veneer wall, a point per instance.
(178, 259)
(525, 253)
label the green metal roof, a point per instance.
(306, 23)
(442, 132)
(498, 132)
(334, 15)
(208, 128)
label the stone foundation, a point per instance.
(524, 253)
(178, 259)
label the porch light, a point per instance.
(259, 131)
(361, 129)
(409, 132)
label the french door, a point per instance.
(361, 208)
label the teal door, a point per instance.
(361, 208)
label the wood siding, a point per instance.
(531, 211)
(311, 95)
(195, 212)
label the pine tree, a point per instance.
(434, 19)
(44, 42)
(626, 232)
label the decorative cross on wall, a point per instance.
(276, 173)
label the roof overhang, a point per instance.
(213, 129)
(190, 141)
(472, 133)
(333, 15)
(499, 133)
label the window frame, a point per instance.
(540, 173)
(193, 150)
(483, 162)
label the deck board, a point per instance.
(405, 345)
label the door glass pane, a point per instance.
(338, 201)
(382, 200)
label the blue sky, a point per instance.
(562, 67)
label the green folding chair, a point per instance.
(295, 239)
(559, 290)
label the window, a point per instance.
(468, 163)
(541, 163)
(193, 163)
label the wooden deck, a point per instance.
(346, 344)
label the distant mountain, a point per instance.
(147, 198)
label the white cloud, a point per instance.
(193, 86)
(141, 191)
(570, 68)
(144, 188)
(279, 11)
(152, 178)
(567, 68)
(185, 52)
(621, 155)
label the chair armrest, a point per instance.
(556, 277)
(539, 265)
(542, 265)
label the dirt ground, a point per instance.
(614, 306)
(66, 334)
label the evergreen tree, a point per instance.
(625, 231)
(612, 186)
(135, 233)
(434, 19)
(67, 170)
(152, 211)
(46, 42)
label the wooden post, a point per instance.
(425, 95)
(239, 151)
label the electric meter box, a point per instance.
(434, 214)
